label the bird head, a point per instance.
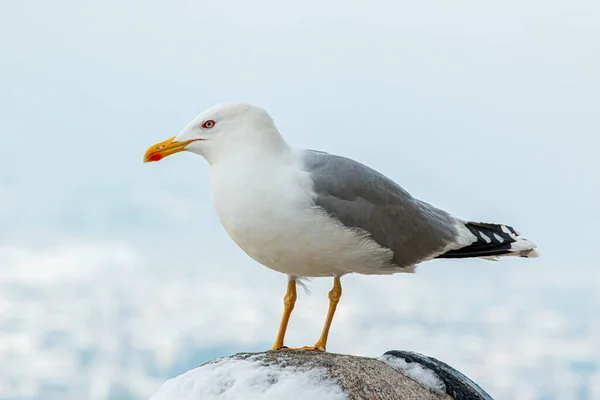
(217, 131)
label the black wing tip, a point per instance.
(492, 240)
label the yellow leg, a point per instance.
(334, 299)
(289, 301)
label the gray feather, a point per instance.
(361, 197)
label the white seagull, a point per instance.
(307, 213)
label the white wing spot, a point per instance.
(484, 237)
(506, 230)
(498, 238)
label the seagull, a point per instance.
(309, 214)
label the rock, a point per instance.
(291, 375)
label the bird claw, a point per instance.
(305, 348)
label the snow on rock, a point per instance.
(250, 378)
(416, 372)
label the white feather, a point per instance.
(268, 211)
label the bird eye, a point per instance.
(209, 124)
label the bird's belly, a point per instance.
(274, 219)
(305, 242)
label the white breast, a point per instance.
(268, 210)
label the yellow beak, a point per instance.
(164, 149)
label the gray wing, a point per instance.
(361, 197)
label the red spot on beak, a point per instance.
(155, 157)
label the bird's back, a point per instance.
(360, 197)
(363, 198)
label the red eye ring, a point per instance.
(208, 124)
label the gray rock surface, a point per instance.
(294, 375)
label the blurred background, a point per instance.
(115, 275)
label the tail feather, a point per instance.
(493, 241)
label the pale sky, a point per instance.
(487, 110)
